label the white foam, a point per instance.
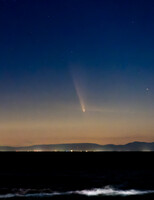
(109, 191)
(10, 195)
(106, 191)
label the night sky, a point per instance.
(76, 71)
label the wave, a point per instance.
(106, 191)
(110, 191)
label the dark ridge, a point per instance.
(133, 146)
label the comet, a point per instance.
(79, 94)
(83, 110)
(76, 75)
(80, 97)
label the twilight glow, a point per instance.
(109, 95)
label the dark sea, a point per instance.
(74, 176)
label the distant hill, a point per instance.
(134, 146)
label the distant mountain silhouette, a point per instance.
(134, 146)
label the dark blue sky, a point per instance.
(50, 51)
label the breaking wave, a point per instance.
(109, 191)
(106, 191)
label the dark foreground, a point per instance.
(106, 175)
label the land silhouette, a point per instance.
(134, 146)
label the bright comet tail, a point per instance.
(79, 96)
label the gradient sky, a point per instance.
(76, 71)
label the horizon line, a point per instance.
(75, 143)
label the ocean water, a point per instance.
(77, 176)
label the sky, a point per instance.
(76, 71)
